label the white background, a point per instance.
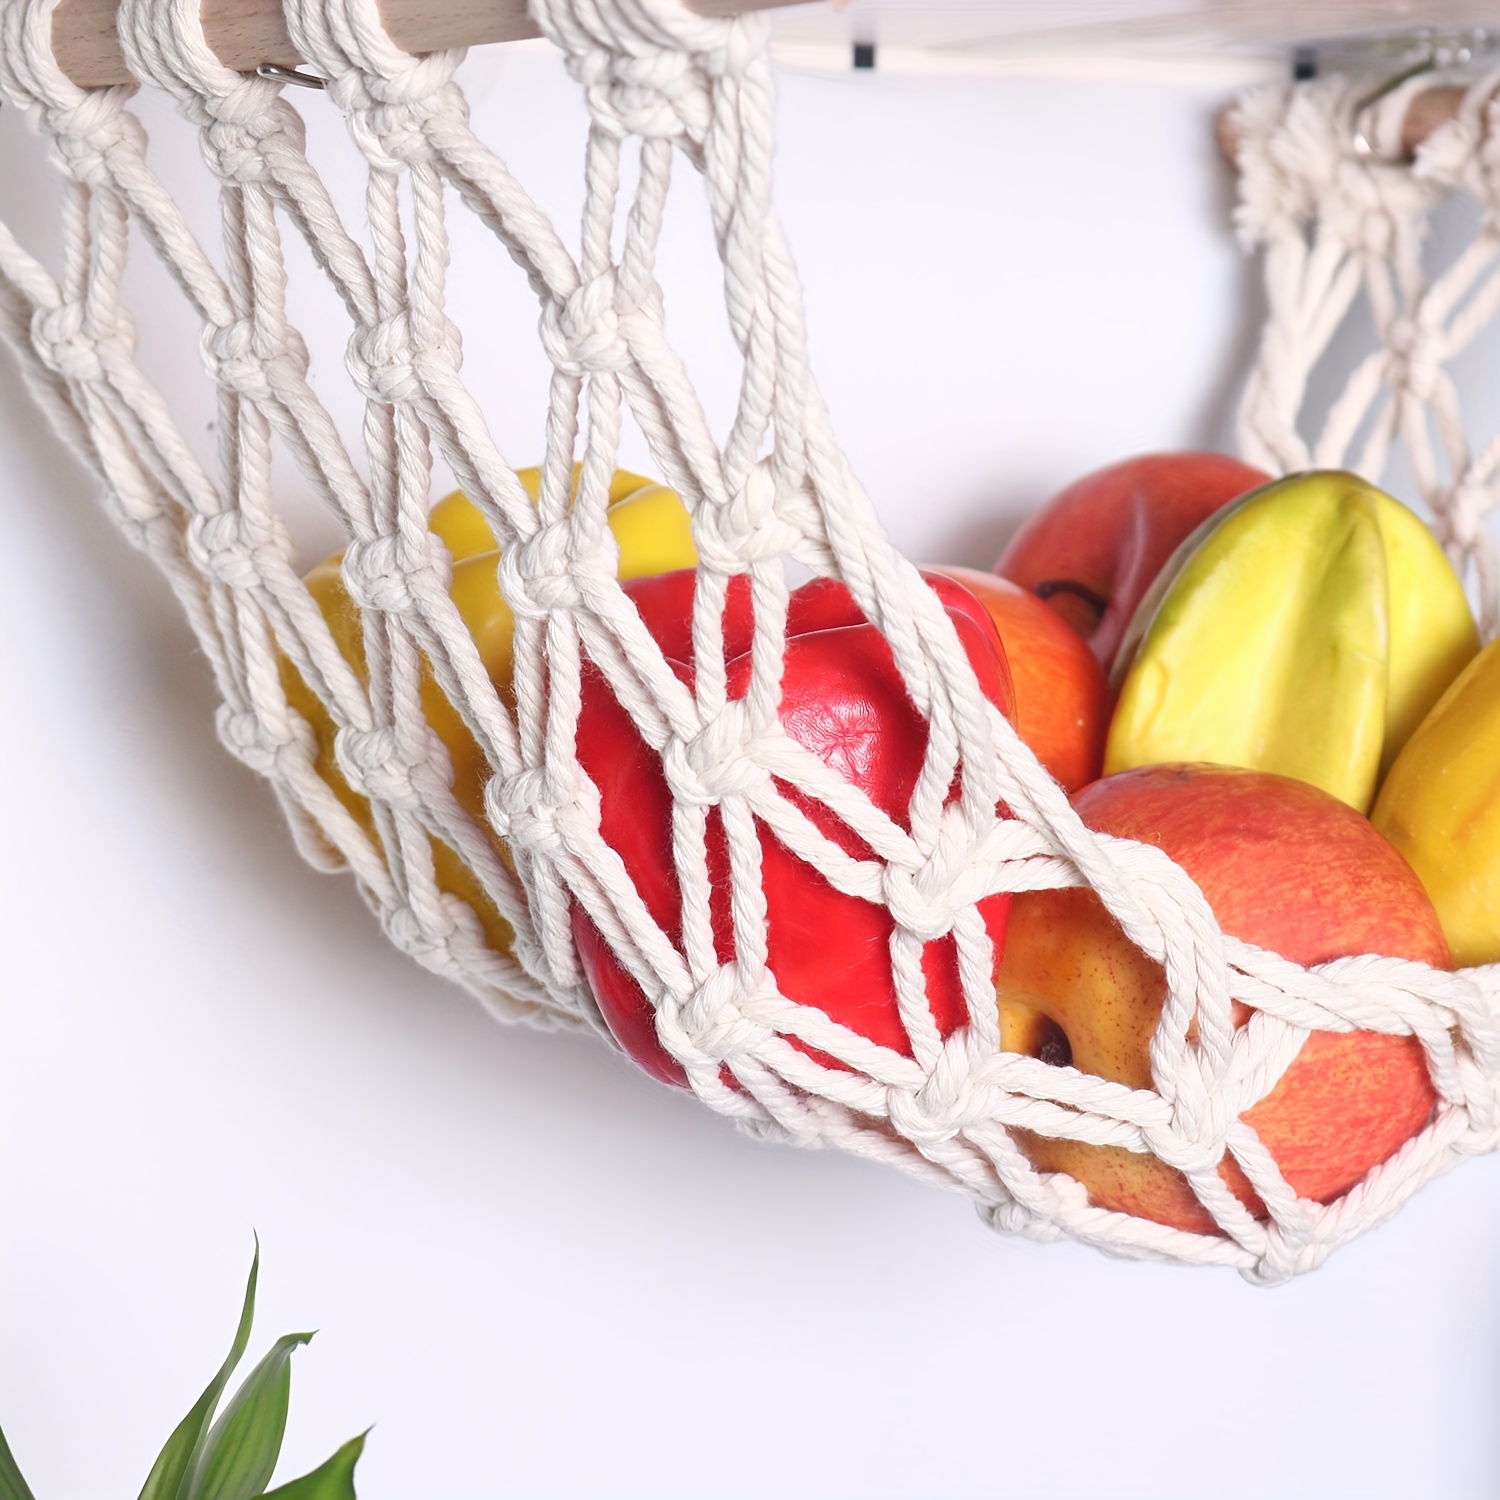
(536, 1272)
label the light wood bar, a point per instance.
(246, 33)
(1426, 112)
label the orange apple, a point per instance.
(1093, 550)
(1283, 865)
(1062, 697)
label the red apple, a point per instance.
(1093, 550)
(843, 699)
(1062, 698)
(1284, 866)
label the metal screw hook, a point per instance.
(278, 74)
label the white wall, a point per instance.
(536, 1272)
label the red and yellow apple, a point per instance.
(1283, 865)
(1062, 697)
(1093, 550)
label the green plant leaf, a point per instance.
(333, 1480)
(13, 1487)
(172, 1474)
(243, 1447)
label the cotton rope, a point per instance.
(774, 489)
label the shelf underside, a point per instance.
(979, 35)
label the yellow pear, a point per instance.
(1440, 806)
(1304, 630)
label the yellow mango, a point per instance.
(654, 535)
(1269, 648)
(1440, 806)
(1433, 635)
(1304, 630)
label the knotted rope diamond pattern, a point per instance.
(772, 490)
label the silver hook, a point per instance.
(278, 74)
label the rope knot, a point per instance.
(1459, 514)
(390, 574)
(934, 1113)
(925, 897)
(236, 152)
(382, 360)
(391, 766)
(582, 332)
(64, 343)
(256, 744)
(400, 130)
(391, 78)
(1186, 1154)
(740, 45)
(428, 939)
(541, 576)
(916, 901)
(1193, 1139)
(711, 1022)
(243, 123)
(657, 94)
(716, 762)
(251, 360)
(87, 135)
(393, 127)
(232, 550)
(526, 809)
(1417, 364)
(749, 527)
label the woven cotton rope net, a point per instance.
(769, 498)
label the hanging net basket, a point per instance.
(637, 813)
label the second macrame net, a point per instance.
(1340, 227)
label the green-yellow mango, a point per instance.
(1304, 630)
(1440, 806)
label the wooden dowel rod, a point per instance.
(1426, 112)
(246, 33)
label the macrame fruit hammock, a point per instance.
(766, 837)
